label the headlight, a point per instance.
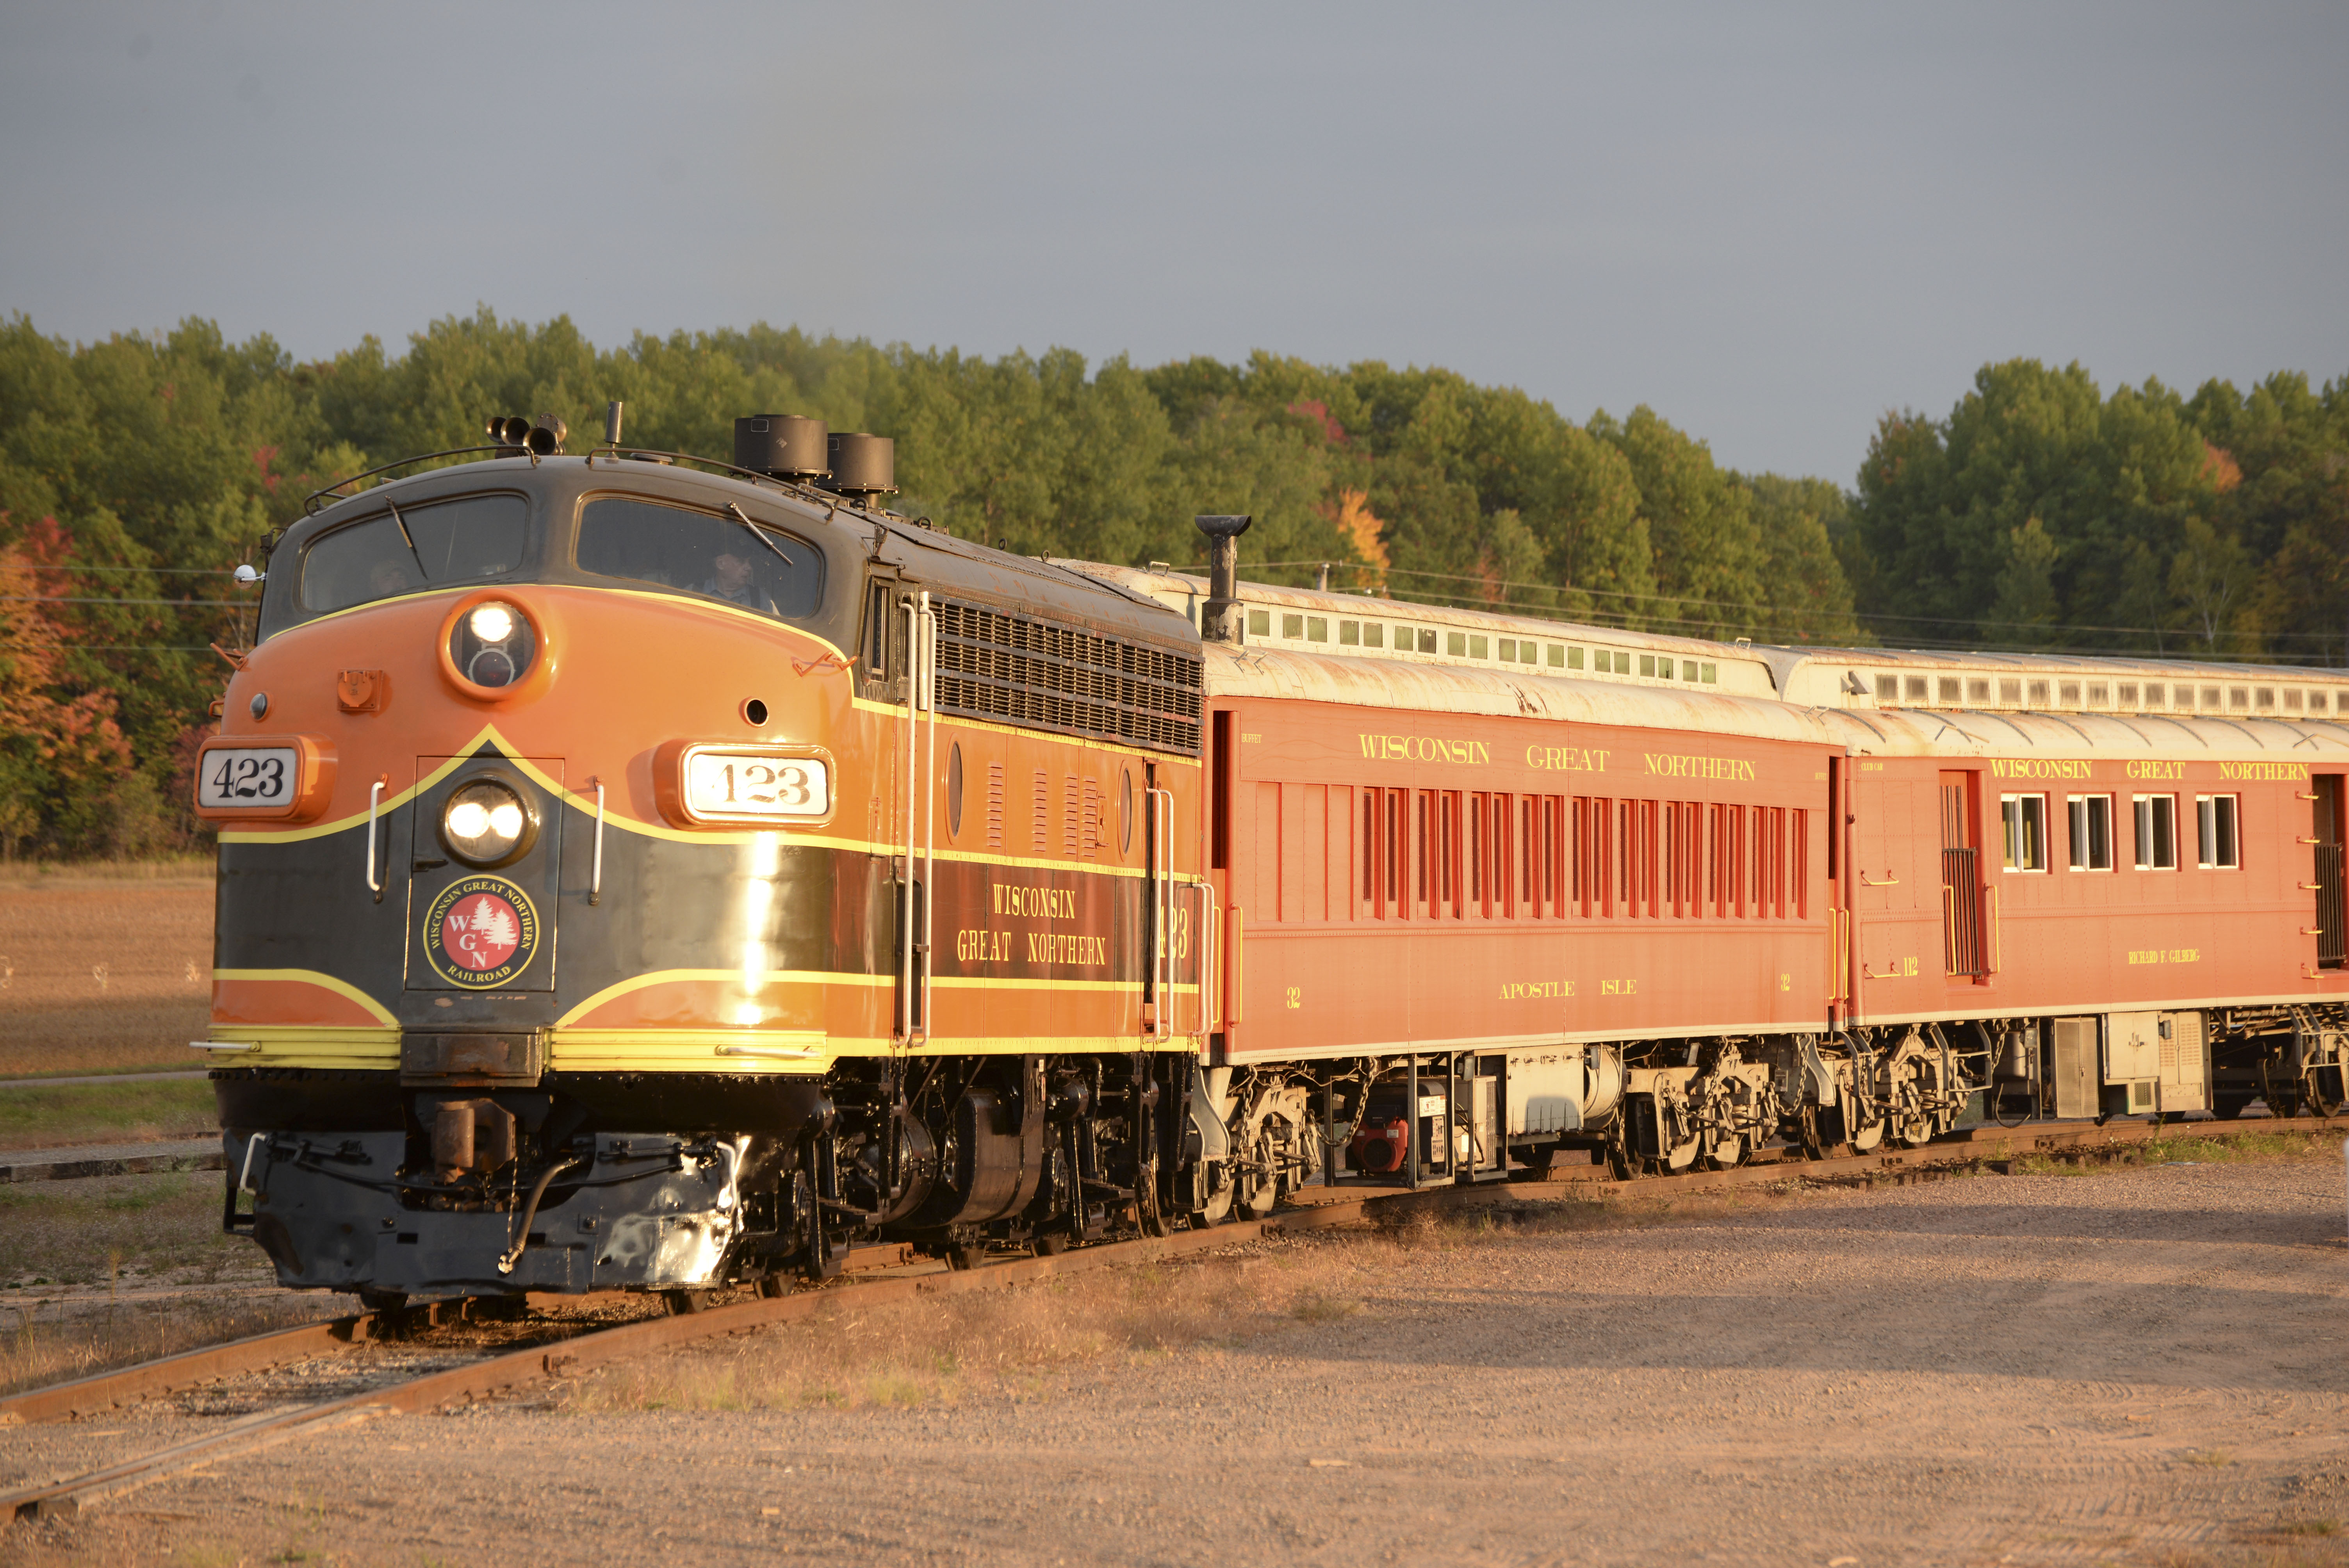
(485, 824)
(492, 623)
(493, 645)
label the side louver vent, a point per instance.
(1030, 673)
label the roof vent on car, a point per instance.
(783, 445)
(863, 466)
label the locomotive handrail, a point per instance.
(1211, 930)
(595, 874)
(914, 969)
(927, 670)
(1997, 934)
(756, 476)
(375, 793)
(1840, 935)
(905, 783)
(310, 508)
(1161, 871)
(1888, 881)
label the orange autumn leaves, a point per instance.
(54, 739)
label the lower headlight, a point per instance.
(485, 824)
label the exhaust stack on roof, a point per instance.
(1222, 620)
(863, 467)
(784, 445)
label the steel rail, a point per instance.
(1321, 1208)
(586, 1352)
(208, 1364)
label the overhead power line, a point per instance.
(80, 599)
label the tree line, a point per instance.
(136, 472)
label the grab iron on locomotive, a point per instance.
(639, 871)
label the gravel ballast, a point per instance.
(2129, 1366)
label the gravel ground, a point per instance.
(2139, 1367)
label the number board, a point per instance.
(249, 778)
(754, 786)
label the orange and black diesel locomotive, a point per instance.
(644, 872)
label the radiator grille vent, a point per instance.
(1030, 673)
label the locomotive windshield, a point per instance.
(474, 539)
(716, 555)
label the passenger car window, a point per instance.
(703, 552)
(405, 549)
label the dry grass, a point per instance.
(128, 1229)
(35, 1352)
(132, 1111)
(129, 1235)
(1010, 1341)
(71, 874)
(2308, 1527)
(103, 969)
(103, 1037)
(2246, 1146)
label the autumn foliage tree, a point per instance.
(63, 759)
(2041, 511)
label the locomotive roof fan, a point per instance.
(863, 466)
(516, 436)
(783, 446)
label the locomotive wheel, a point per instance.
(966, 1258)
(1806, 1134)
(684, 1303)
(1724, 1150)
(1619, 1161)
(1051, 1244)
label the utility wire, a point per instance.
(78, 599)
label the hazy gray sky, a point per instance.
(1770, 224)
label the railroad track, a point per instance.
(589, 1347)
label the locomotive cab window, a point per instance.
(407, 548)
(715, 554)
(2024, 821)
(2092, 832)
(2157, 832)
(2217, 846)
